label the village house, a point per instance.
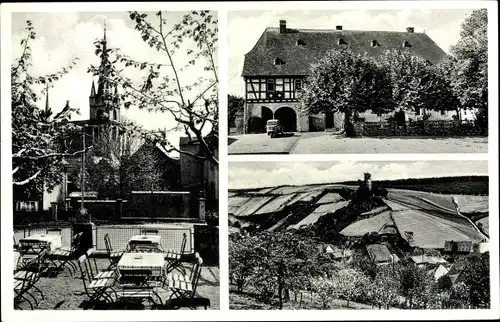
(276, 68)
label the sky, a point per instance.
(246, 175)
(62, 36)
(246, 27)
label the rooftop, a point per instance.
(299, 48)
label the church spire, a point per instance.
(102, 85)
(92, 90)
(104, 43)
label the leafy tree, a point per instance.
(467, 68)
(37, 151)
(384, 289)
(416, 84)
(350, 283)
(459, 296)
(235, 104)
(325, 289)
(282, 258)
(444, 283)
(411, 280)
(162, 89)
(241, 261)
(346, 82)
(476, 276)
(365, 265)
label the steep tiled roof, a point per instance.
(260, 61)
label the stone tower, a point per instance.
(368, 181)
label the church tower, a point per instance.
(104, 102)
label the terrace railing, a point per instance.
(26, 231)
(171, 237)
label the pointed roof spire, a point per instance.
(104, 44)
(47, 108)
(92, 91)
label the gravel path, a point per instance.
(329, 144)
(66, 292)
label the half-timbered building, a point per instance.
(276, 68)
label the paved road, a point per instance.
(261, 144)
(327, 143)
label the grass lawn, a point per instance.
(66, 292)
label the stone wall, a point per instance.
(428, 128)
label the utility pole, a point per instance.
(83, 211)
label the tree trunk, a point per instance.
(348, 124)
(280, 295)
(300, 303)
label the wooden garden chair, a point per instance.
(21, 291)
(25, 279)
(186, 289)
(95, 272)
(65, 257)
(29, 251)
(113, 256)
(138, 284)
(177, 276)
(95, 289)
(174, 259)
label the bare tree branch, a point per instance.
(27, 180)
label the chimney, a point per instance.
(338, 28)
(410, 29)
(282, 26)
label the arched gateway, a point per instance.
(287, 117)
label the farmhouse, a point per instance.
(276, 68)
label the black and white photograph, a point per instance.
(115, 162)
(359, 235)
(358, 81)
(352, 177)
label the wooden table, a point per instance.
(140, 275)
(147, 261)
(44, 240)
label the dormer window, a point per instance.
(342, 42)
(300, 42)
(278, 61)
(406, 44)
(375, 43)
